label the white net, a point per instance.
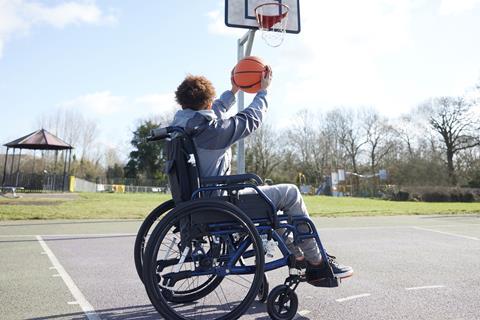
(272, 21)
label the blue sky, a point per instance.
(120, 61)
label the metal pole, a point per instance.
(242, 52)
(54, 183)
(11, 166)
(5, 168)
(64, 169)
(33, 166)
(18, 167)
(69, 163)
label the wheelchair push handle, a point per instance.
(158, 134)
(163, 133)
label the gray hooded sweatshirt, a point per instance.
(215, 132)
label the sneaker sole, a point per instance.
(344, 275)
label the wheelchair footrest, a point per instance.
(326, 283)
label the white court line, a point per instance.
(134, 234)
(77, 294)
(447, 233)
(425, 287)
(67, 235)
(301, 313)
(354, 297)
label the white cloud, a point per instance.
(451, 7)
(335, 60)
(157, 102)
(101, 103)
(19, 16)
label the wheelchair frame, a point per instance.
(202, 189)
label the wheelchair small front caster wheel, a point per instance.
(282, 303)
(262, 295)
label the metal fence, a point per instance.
(35, 182)
(81, 185)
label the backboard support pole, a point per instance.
(244, 48)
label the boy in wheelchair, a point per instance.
(213, 134)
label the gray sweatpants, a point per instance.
(287, 198)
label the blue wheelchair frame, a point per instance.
(229, 244)
(290, 227)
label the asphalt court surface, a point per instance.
(406, 267)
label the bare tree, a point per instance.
(349, 132)
(378, 137)
(262, 151)
(73, 127)
(458, 127)
(307, 140)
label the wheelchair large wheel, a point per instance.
(142, 234)
(192, 243)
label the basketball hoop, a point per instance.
(272, 20)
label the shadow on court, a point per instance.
(143, 312)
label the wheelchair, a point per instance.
(204, 253)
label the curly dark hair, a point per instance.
(195, 92)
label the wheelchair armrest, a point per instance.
(232, 179)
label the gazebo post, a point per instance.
(54, 183)
(11, 164)
(5, 167)
(18, 167)
(69, 161)
(33, 167)
(64, 169)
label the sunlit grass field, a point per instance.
(137, 206)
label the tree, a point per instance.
(349, 134)
(73, 127)
(379, 139)
(262, 151)
(458, 127)
(146, 159)
(307, 141)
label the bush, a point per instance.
(448, 196)
(431, 194)
(435, 196)
(401, 196)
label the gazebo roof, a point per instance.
(39, 140)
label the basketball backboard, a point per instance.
(241, 13)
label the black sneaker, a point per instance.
(301, 264)
(339, 271)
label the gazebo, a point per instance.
(46, 142)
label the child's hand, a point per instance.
(266, 77)
(234, 86)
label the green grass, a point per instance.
(134, 206)
(330, 206)
(86, 206)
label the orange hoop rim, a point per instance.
(281, 16)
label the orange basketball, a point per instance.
(247, 74)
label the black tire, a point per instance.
(196, 293)
(167, 308)
(140, 241)
(282, 303)
(139, 250)
(262, 295)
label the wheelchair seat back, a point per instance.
(182, 167)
